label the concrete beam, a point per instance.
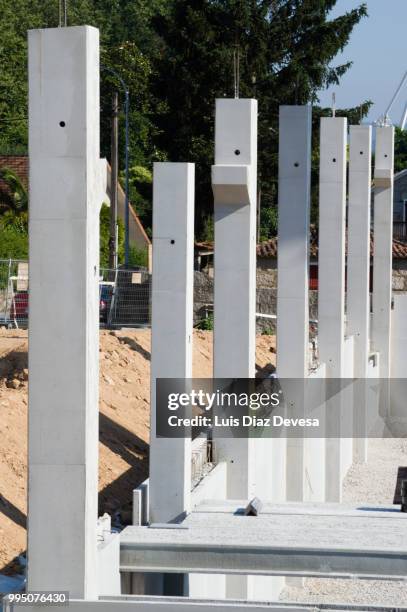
(166, 604)
(296, 542)
(65, 192)
(171, 329)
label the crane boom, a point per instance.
(385, 118)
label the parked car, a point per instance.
(105, 299)
(19, 307)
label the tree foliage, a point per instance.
(176, 57)
(13, 193)
(286, 48)
(400, 150)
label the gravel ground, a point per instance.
(371, 483)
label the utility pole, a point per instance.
(258, 210)
(114, 182)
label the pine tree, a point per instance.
(285, 48)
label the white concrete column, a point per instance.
(294, 186)
(65, 194)
(358, 261)
(358, 270)
(331, 260)
(234, 179)
(171, 328)
(383, 243)
(293, 241)
(293, 268)
(331, 284)
(234, 183)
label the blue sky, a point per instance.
(378, 49)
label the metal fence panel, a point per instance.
(124, 296)
(14, 293)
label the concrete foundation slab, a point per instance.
(174, 604)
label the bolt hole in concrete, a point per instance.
(237, 152)
(62, 123)
(361, 152)
(172, 241)
(334, 160)
(296, 164)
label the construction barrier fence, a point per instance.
(124, 296)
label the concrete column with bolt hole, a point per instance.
(304, 456)
(65, 198)
(383, 246)
(234, 182)
(358, 270)
(171, 329)
(294, 186)
(331, 260)
(331, 283)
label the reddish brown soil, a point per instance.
(124, 423)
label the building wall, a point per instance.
(400, 194)
(266, 297)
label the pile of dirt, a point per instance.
(124, 423)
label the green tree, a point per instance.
(13, 243)
(138, 257)
(16, 18)
(140, 193)
(286, 49)
(13, 195)
(105, 235)
(400, 150)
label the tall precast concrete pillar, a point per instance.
(293, 269)
(331, 283)
(234, 181)
(383, 244)
(171, 329)
(65, 198)
(294, 186)
(358, 271)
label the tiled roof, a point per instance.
(269, 248)
(204, 246)
(19, 165)
(399, 250)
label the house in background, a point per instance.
(267, 261)
(17, 164)
(400, 205)
(137, 235)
